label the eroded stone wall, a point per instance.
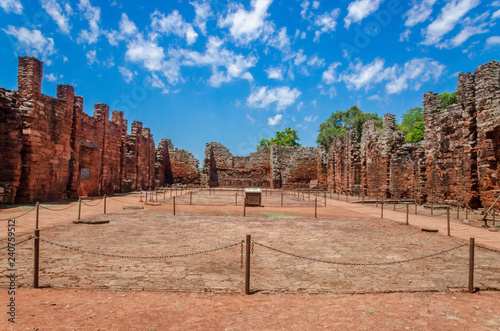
(176, 166)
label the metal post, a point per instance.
(448, 219)
(281, 199)
(315, 208)
(79, 207)
(104, 197)
(407, 214)
(36, 254)
(471, 265)
(37, 213)
(247, 263)
(174, 204)
(382, 209)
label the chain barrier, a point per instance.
(139, 257)
(488, 249)
(134, 203)
(15, 217)
(360, 263)
(90, 205)
(18, 243)
(60, 209)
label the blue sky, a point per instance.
(235, 72)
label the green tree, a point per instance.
(448, 99)
(340, 121)
(412, 124)
(288, 137)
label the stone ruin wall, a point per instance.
(270, 166)
(458, 161)
(176, 166)
(47, 145)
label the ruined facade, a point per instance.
(50, 149)
(458, 160)
(270, 166)
(175, 166)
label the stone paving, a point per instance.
(337, 239)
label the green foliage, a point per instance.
(288, 137)
(448, 99)
(340, 121)
(412, 124)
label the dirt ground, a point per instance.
(89, 292)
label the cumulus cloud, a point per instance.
(148, 53)
(203, 13)
(493, 41)
(359, 76)
(32, 41)
(450, 15)
(127, 29)
(327, 22)
(305, 6)
(275, 73)
(416, 71)
(50, 78)
(60, 16)
(419, 12)
(274, 120)
(315, 62)
(225, 64)
(173, 24)
(91, 57)
(93, 16)
(12, 6)
(283, 97)
(246, 26)
(280, 40)
(360, 9)
(330, 75)
(126, 73)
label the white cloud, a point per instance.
(493, 41)
(360, 9)
(12, 6)
(305, 6)
(274, 120)
(358, 75)
(326, 22)
(405, 36)
(300, 106)
(274, 73)
(450, 15)
(471, 27)
(127, 27)
(280, 41)
(146, 52)
(173, 24)
(126, 73)
(250, 119)
(419, 12)
(374, 97)
(154, 81)
(330, 75)
(56, 12)
(203, 13)
(316, 62)
(217, 57)
(32, 41)
(282, 96)
(311, 118)
(315, 4)
(246, 26)
(496, 15)
(93, 16)
(299, 57)
(50, 78)
(65, 59)
(417, 71)
(91, 57)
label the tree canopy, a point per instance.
(412, 124)
(288, 137)
(448, 99)
(340, 121)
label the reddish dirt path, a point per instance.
(96, 310)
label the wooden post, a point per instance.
(174, 205)
(315, 208)
(363, 199)
(466, 212)
(458, 210)
(407, 214)
(244, 207)
(37, 213)
(432, 207)
(156, 195)
(164, 193)
(247, 263)
(394, 203)
(325, 199)
(79, 207)
(416, 206)
(36, 254)
(281, 199)
(382, 209)
(104, 197)
(471, 265)
(346, 196)
(448, 219)
(236, 199)
(170, 191)
(190, 198)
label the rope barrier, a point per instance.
(436, 215)
(90, 205)
(60, 209)
(16, 217)
(359, 263)
(140, 257)
(18, 243)
(134, 203)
